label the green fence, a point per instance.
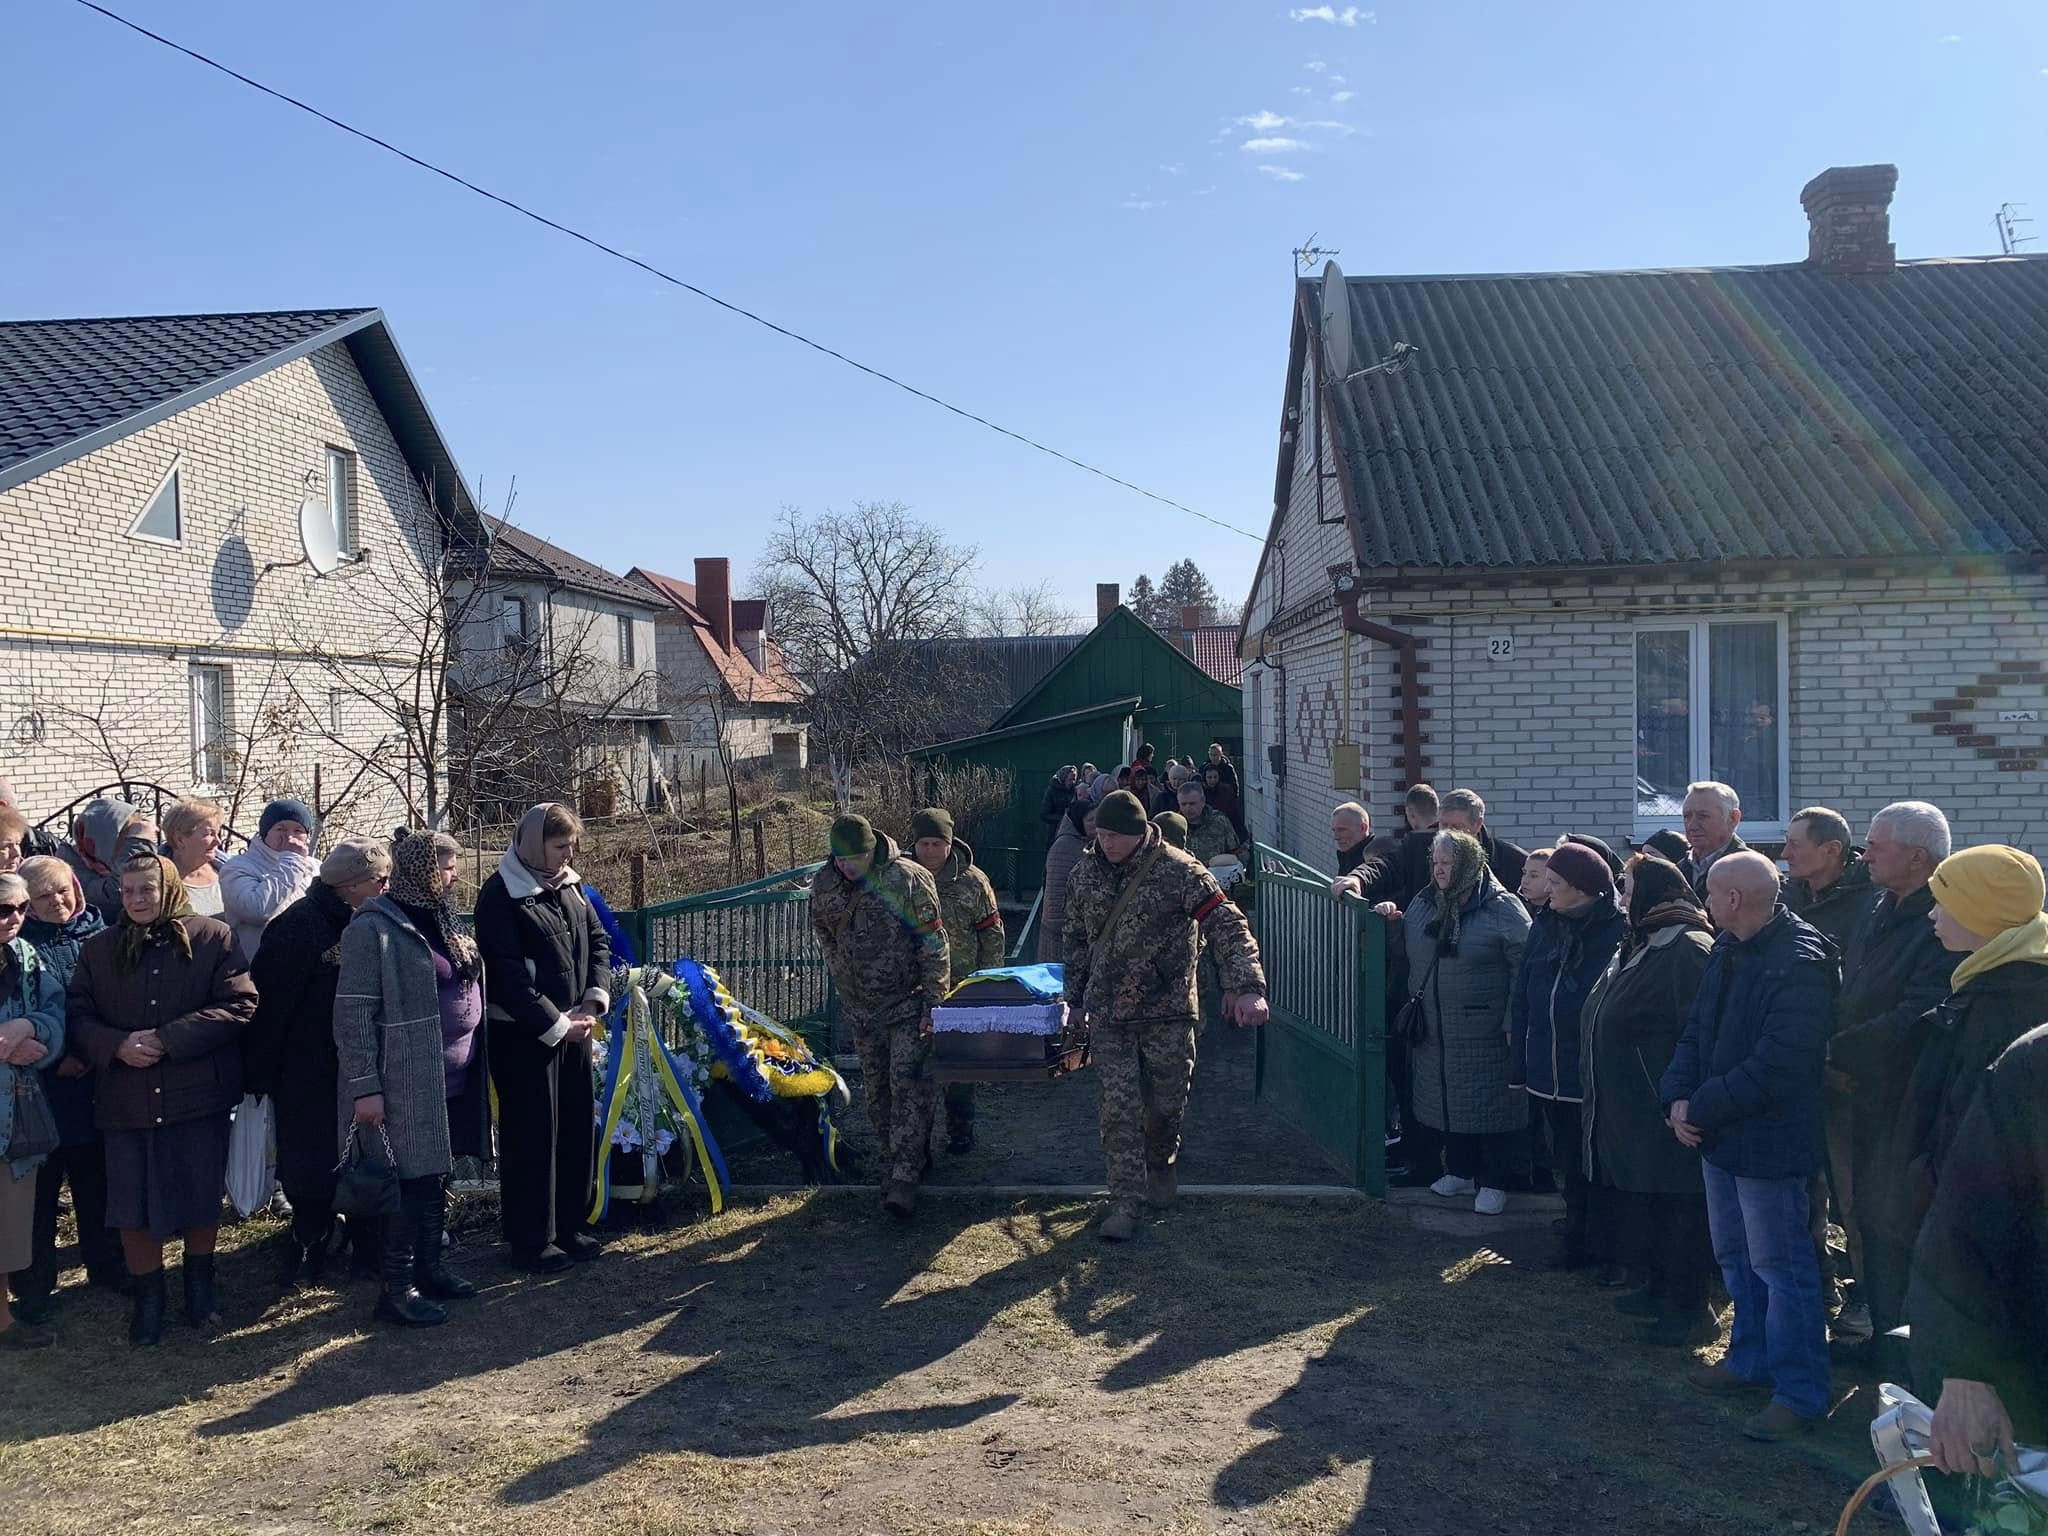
(1322, 1058)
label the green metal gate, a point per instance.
(1322, 1058)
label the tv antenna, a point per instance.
(1308, 253)
(2009, 222)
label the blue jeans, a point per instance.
(1780, 1334)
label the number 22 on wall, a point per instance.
(1500, 647)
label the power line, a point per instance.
(654, 271)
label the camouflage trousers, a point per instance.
(1143, 1070)
(896, 1077)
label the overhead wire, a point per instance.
(653, 271)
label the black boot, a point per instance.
(400, 1302)
(146, 1323)
(200, 1311)
(365, 1250)
(429, 1264)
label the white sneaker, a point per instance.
(1491, 1202)
(1451, 1185)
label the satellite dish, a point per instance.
(316, 535)
(1336, 323)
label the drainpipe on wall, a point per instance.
(1404, 645)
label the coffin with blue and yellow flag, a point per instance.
(1008, 1024)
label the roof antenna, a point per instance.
(2009, 221)
(1308, 253)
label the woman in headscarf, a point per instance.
(31, 1040)
(104, 836)
(59, 923)
(158, 1005)
(1464, 940)
(1076, 828)
(1646, 1186)
(423, 873)
(547, 969)
(408, 984)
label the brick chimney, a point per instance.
(1108, 597)
(1190, 621)
(1849, 220)
(714, 598)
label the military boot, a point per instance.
(1121, 1224)
(1162, 1186)
(899, 1199)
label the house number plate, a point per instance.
(1500, 647)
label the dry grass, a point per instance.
(989, 1369)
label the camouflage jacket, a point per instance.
(1146, 969)
(1212, 836)
(967, 906)
(884, 942)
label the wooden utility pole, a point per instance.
(760, 850)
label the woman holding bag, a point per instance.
(389, 1033)
(31, 1042)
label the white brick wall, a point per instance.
(99, 626)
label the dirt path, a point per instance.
(990, 1370)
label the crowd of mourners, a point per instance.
(1713, 1059)
(156, 985)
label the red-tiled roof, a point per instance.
(1215, 651)
(772, 683)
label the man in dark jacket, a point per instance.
(1828, 885)
(1711, 813)
(1895, 972)
(1744, 1087)
(1059, 794)
(1980, 1269)
(1463, 811)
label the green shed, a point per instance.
(1122, 685)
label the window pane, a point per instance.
(209, 725)
(1742, 685)
(512, 614)
(161, 519)
(1663, 720)
(337, 498)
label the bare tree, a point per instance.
(106, 732)
(1023, 611)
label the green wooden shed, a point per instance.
(1122, 685)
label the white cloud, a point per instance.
(1350, 16)
(1315, 66)
(1172, 170)
(1301, 90)
(1272, 147)
(1261, 122)
(1326, 125)
(1203, 191)
(1281, 173)
(1338, 98)
(1144, 205)
(1953, 37)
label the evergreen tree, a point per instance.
(1184, 586)
(1144, 601)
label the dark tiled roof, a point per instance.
(519, 554)
(1216, 653)
(70, 386)
(1761, 413)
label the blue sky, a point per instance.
(1074, 217)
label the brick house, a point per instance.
(1607, 533)
(575, 646)
(161, 621)
(723, 678)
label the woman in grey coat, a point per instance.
(1465, 936)
(387, 1033)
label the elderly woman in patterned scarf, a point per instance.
(1464, 938)
(423, 873)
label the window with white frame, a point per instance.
(341, 502)
(209, 726)
(626, 640)
(1710, 704)
(163, 515)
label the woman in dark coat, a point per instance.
(547, 966)
(1641, 1176)
(158, 1005)
(1465, 936)
(58, 925)
(288, 1053)
(401, 981)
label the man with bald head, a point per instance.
(1744, 1088)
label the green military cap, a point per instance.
(852, 838)
(932, 822)
(1121, 812)
(1173, 827)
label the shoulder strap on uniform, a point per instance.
(1123, 899)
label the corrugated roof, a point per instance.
(1006, 667)
(522, 554)
(1216, 652)
(1755, 413)
(70, 386)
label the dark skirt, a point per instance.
(165, 1180)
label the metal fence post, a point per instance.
(1369, 1051)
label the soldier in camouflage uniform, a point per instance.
(877, 916)
(974, 934)
(1131, 970)
(1210, 834)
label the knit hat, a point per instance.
(353, 859)
(287, 810)
(1989, 889)
(1173, 827)
(1666, 844)
(852, 838)
(1121, 812)
(1580, 866)
(931, 822)
(1599, 846)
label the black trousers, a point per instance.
(1666, 1238)
(1498, 1159)
(99, 1246)
(547, 1139)
(1561, 1119)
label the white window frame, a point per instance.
(202, 779)
(175, 472)
(341, 498)
(1757, 821)
(627, 648)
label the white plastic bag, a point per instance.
(249, 1178)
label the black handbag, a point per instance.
(35, 1128)
(1411, 1024)
(363, 1190)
